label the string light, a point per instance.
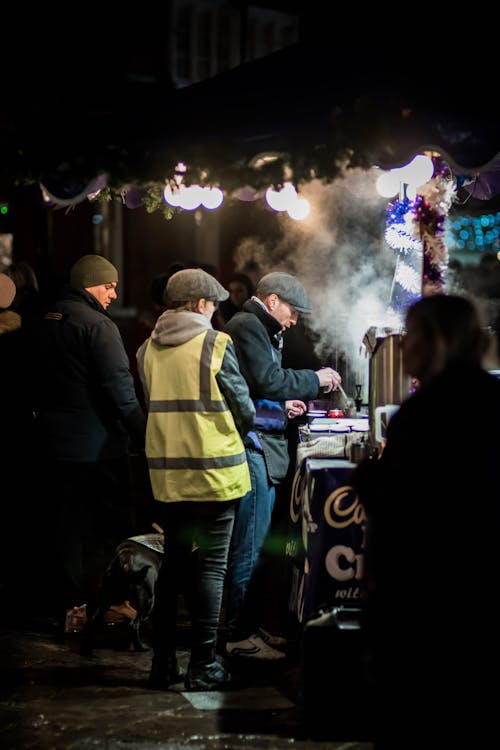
(474, 233)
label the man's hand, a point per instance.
(329, 379)
(295, 408)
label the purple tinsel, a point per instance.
(425, 214)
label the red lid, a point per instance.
(336, 413)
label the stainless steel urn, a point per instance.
(387, 382)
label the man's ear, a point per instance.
(272, 301)
(201, 305)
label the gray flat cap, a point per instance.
(194, 284)
(287, 287)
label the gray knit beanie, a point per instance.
(92, 270)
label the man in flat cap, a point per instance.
(89, 419)
(279, 394)
(199, 408)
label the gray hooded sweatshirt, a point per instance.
(174, 328)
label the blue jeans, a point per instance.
(199, 575)
(251, 527)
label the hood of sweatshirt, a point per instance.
(9, 321)
(176, 327)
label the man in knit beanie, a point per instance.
(90, 421)
(97, 276)
(92, 270)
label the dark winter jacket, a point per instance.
(87, 406)
(431, 553)
(257, 339)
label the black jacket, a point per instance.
(431, 553)
(257, 340)
(87, 406)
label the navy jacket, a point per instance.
(257, 340)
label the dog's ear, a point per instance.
(139, 575)
(129, 561)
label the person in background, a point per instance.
(27, 301)
(279, 395)
(240, 288)
(199, 406)
(19, 455)
(149, 316)
(145, 506)
(431, 562)
(147, 319)
(89, 421)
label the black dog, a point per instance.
(131, 576)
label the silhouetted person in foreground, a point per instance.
(432, 565)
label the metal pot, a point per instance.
(388, 384)
(358, 452)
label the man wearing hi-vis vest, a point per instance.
(199, 407)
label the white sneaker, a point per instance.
(271, 639)
(254, 648)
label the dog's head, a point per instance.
(132, 576)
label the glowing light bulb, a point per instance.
(279, 200)
(388, 183)
(212, 197)
(171, 197)
(299, 209)
(190, 197)
(418, 171)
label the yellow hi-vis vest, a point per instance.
(193, 448)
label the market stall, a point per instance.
(326, 527)
(326, 555)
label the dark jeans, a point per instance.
(91, 515)
(251, 527)
(197, 537)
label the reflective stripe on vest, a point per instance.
(193, 448)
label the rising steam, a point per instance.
(340, 256)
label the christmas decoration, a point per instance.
(415, 231)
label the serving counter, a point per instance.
(326, 532)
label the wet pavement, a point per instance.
(52, 697)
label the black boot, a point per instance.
(164, 673)
(211, 676)
(205, 671)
